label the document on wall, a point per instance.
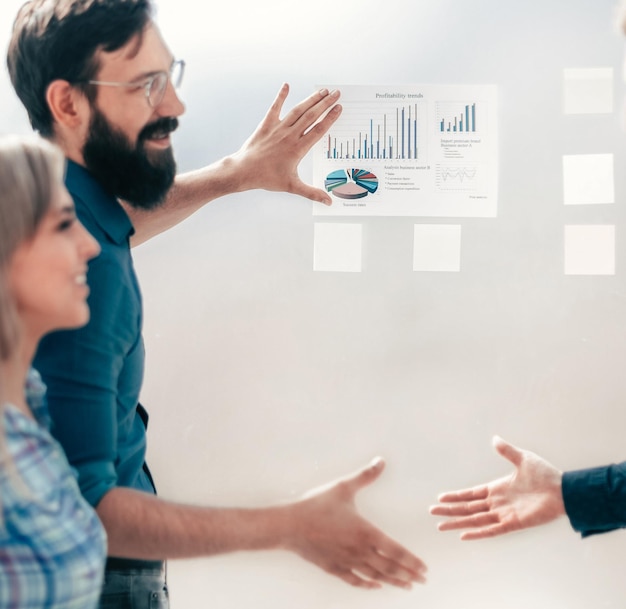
(411, 150)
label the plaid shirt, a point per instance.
(52, 545)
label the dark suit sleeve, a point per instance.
(595, 499)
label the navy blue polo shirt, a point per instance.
(94, 374)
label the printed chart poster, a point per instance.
(411, 150)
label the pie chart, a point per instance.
(351, 183)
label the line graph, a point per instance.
(458, 177)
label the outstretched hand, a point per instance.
(528, 497)
(326, 529)
(270, 157)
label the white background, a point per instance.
(265, 378)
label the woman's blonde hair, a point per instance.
(29, 169)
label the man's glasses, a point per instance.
(154, 86)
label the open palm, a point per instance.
(529, 496)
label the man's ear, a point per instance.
(68, 105)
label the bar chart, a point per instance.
(382, 132)
(455, 117)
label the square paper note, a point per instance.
(437, 248)
(590, 250)
(337, 247)
(588, 91)
(588, 179)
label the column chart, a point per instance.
(457, 117)
(373, 132)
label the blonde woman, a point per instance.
(52, 545)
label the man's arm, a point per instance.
(269, 160)
(595, 498)
(324, 528)
(528, 497)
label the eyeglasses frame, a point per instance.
(149, 82)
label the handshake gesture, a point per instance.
(328, 531)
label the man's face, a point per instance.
(127, 146)
(140, 176)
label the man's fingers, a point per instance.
(475, 493)
(396, 573)
(375, 574)
(468, 508)
(309, 192)
(377, 559)
(508, 451)
(352, 578)
(486, 532)
(469, 522)
(273, 113)
(307, 112)
(315, 133)
(398, 560)
(366, 476)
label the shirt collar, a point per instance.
(105, 208)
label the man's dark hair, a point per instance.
(59, 39)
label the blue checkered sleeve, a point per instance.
(52, 545)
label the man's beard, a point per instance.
(135, 175)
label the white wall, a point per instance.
(265, 378)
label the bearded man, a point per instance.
(97, 78)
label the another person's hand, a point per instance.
(326, 529)
(528, 497)
(269, 158)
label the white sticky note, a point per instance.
(588, 179)
(590, 250)
(588, 91)
(437, 248)
(337, 247)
